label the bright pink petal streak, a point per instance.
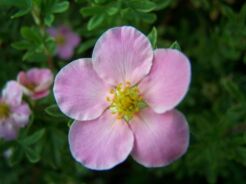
(102, 143)
(122, 54)
(22, 78)
(168, 81)
(159, 138)
(40, 94)
(79, 92)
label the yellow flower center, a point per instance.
(125, 101)
(60, 40)
(30, 86)
(4, 110)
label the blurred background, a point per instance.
(212, 33)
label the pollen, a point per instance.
(125, 101)
(30, 86)
(4, 110)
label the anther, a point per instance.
(128, 83)
(108, 99)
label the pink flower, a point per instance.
(66, 41)
(36, 82)
(13, 112)
(123, 102)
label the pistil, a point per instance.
(125, 101)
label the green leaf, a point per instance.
(153, 37)
(100, 1)
(54, 111)
(113, 9)
(86, 45)
(9, 3)
(35, 137)
(16, 155)
(70, 122)
(48, 20)
(34, 57)
(142, 5)
(233, 89)
(227, 11)
(32, 155)
(50, 45)
(147, 17)
(31, 34)
(56, 147)
(95, 21)
(25, 7)
(90, 11)
(57, 140)
(175, 45)
(21, 45)
(162, 4)
(20, 13)
(241, 155)
(60, 7)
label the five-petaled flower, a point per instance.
(36, 82)
(66, 40)
(123, 100)
(14, 113)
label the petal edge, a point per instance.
(122, 54)
(79, 92)
(168, 81)
(102, 143)
(160, 139)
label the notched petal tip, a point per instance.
(122, 54)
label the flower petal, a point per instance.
(8, 130)
(40, 94)
(12, 93)
(159, 138)
(72, 39)
(53, 31)
(22, 78)
(43, 78)
(21, 114)
(24, 81)
(65, 51)
(168, 81)
(79, 92)
(122, 54)
(102, 143)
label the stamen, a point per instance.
(128, 83)
(4, 110)
(108, 99)
(126, 101)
